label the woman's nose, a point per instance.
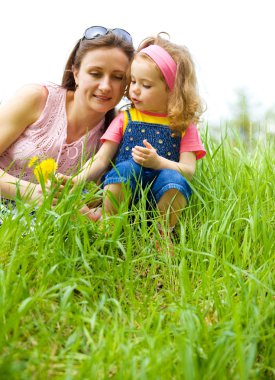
(105, 83)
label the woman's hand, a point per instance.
(146, 157)
(94, 213)
(37, 193)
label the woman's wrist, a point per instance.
(27, 190)
(12, 187)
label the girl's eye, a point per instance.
(146, 86)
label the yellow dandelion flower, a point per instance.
(45, 169)
(32, 161)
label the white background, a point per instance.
(232, 42)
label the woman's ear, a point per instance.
(75, 73)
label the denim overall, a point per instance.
(167, 144)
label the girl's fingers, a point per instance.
(140, 149)
(62, 178)
(54, 202)
(147, 144)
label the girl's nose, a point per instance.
(135, 88)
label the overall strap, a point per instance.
(129, 115)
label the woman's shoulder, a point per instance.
(26, 105)
(43, 98)
(38, 93)
(32, 90)
(33, 95)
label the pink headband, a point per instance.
(165, 62)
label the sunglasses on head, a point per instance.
(98, 31)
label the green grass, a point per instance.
(77, 302)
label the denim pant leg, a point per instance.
(123, 172)
(170, 179)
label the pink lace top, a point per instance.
(46, 138)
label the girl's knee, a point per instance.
(114, 188)
(171, 176)
(171, 183)
(173, 195)
(113, 196)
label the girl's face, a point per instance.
(148, 91)
(101, 78)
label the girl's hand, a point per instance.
(147, 156)
(62, 178)
(76, 180)
(94, 214)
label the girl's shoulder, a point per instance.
(146, 117)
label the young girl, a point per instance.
(155, 142)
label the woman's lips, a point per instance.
(103, 98)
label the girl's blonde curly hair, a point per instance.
(185, 105)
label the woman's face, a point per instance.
(101, 78)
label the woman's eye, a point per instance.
(95, 74)
(118, 77)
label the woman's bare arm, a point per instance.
(15, 116)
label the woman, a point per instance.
(64, 122)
